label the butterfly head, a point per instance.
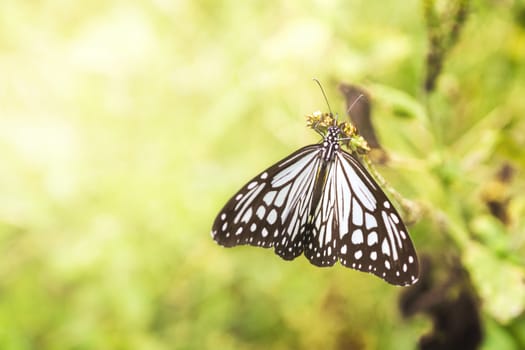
(328, 127)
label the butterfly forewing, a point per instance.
(372, 236)
(271, 210)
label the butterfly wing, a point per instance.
(352, 220)
(356, 223)
(272, 209)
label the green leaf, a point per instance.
(501, 285)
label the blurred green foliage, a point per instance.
(125, 126)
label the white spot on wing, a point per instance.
(321, 235)
(394, 217)
(328, 236)
(373, 255)
(357, 213)
(251, 185)
(260, 212)
(272, 217)
(385, 248)
(357, 237)
(370, 221)
(343, 249)
(264, 175)
(372, 238)
(358, 254)
(253, 227)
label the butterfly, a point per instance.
(321, 201)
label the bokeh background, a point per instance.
(126, 125)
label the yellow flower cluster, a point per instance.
(348, 130)
(319, 119)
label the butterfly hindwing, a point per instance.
(271, 210)
(321, 239)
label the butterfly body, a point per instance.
(331, 143)
(322, 202)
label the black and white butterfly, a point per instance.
(322, 202)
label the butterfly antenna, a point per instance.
(353, 103)
(325, 98)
